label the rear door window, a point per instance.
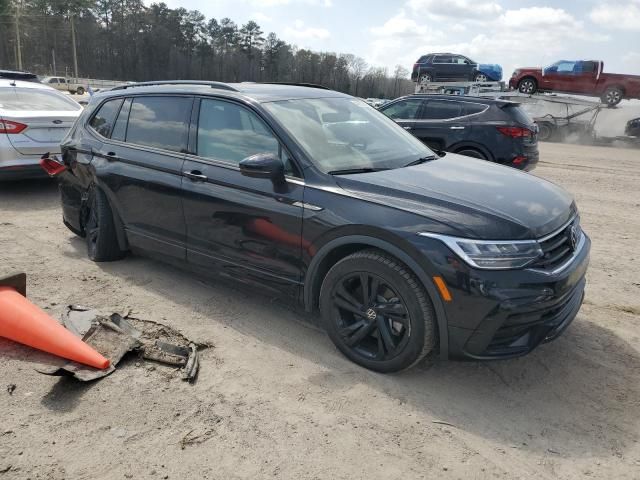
(442, 59)
(441, 110)
(102, 121)
(160, 122)
(404, 109)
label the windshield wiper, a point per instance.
(421, 160)
(348, 171)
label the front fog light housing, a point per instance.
(492, 254)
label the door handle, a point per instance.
(111, 156)
(456, 128)
(407, 128)
(195, 175)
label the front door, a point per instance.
(246, 228)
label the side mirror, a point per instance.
(263, 165)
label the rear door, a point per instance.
(441, 123)
(139, 165)
(246, 228)
(461, 68)
(443, 67)
(45, 116)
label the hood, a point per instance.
(469, 198)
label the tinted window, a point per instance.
(460, 60)
(586, 67)
(159, 122)
(36, 99)
(471, 108)
(229, 132)
(120, 127)
(403, 110)
(442, 59)
(518, 114)
(441, 109)
(102, 121)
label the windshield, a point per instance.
(347, 134)
(35, 99)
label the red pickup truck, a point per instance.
(582, 77)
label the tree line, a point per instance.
(126, 40)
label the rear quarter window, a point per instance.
(441, 110)
(473, 108)
(102, 121)
(517, 113)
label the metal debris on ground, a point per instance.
(116, 335)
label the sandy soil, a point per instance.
(275, 399)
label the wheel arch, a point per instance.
(338, 248)
(467, 145)
(121, 235)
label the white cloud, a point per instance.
(632, 61)
(456, 8)
(400, 25)
(300, 31)
(260, 17)
(625, 15)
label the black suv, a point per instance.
(495, 130)
(317, 196)
(442, 67)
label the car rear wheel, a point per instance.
(481, 77)
(612, 96)
(376, 312)
(100, 230)
(80, 91)
(469, 152)
(425, 78)
(545, 132)
(528, 86)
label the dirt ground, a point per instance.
(274, 397)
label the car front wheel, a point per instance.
(376, 312)
(425, 78)
(528, 86)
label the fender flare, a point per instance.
(472, 146)
(311, 280)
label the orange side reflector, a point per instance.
(444, 291)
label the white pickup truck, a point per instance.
(63, 84)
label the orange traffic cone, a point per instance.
(23, 322)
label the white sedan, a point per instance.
(34, 119)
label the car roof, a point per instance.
(258, 92)
(8, 82)
(463, 98)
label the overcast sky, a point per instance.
(509, 32)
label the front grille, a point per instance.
(558, 248)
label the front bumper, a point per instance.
(505, 314)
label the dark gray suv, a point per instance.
(495, 130)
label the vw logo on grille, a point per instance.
(573, 236)
(371, 314)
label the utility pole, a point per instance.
(18, 46)
(73, 44)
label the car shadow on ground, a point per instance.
(29, 195)
(573, 396)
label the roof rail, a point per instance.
(220, 85)
(296, 84)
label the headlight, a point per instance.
(490, 254)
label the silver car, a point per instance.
(33, 120)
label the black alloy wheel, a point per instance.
(376, 312)
(100, 230)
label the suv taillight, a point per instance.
(7, 126)
(515, 132)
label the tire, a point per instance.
(612, 96)
(545, 132)
(470, 152)
(481, 77)
(425, 78)
(527, 85)
(387, 332)
(80, 91)
(100, 229)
